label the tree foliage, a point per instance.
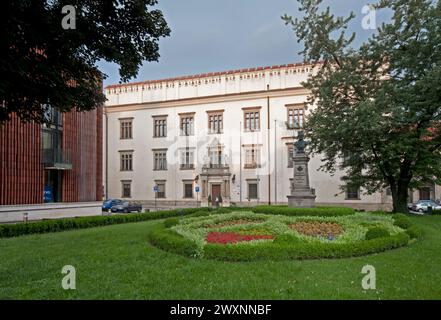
(41, 63)
(377, 106)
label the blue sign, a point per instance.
(196, 189)
(48, 195)
(155, 189)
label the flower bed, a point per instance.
(231, 237)
(318, 229)
(245, 236)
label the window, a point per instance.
(252, 157)
(295, 116)
(126, 163)
(215, 122)
(187, 124)
(159, 127)
(187, 159)
(251, 120)
(125, 129)
(160, 159)
(161, 189)
(352, 192)
(290, 154)
(188, 189)
(126, 186)
(217, 159)
(253, 189)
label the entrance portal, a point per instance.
(215, 192)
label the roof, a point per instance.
(210, 74)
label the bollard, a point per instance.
(25, 217)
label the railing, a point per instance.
(186, 166)
(57, 159)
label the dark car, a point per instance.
(127, 206)
(108, 204)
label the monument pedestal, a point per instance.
(301, 193)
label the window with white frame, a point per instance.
(253, 189)
(215, 121)
(188, 188)
(126, 189)
(252, 156)
(160, 159)
(159, 126)
(187, 124)
(126, 128)
(186, 159)
(296, 114)
(160, 184)
(126, 160)
(251, 119)
(290, 155)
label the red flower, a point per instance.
(230, 237)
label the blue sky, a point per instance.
(214, 35)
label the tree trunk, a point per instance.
(399, 197)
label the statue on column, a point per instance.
(302, 195)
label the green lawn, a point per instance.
(116, 262)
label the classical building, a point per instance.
(51, 170)
(228, 135)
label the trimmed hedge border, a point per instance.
(55, 225)
(316, 211)
(168, 240)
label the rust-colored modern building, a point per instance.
(51, 166)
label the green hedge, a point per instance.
(169, 240)
(376, 232)
(316, 211)
(283, 251)
(44, 226)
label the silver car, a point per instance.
(422, 205)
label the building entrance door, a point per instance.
(425, 193)
(215, 193)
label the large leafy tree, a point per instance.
(42, 63)
(378, 105)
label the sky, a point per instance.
(219, 35)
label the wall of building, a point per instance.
(271, 89)
(22, 169)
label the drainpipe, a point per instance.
(107, 153)
(240, 162)
(275, 161)
(269, 153)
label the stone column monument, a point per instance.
(301, 193)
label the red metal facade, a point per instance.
(22, 170)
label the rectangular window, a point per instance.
(252, 157)
(125, 129)
(159, 127)
(187, 125)
(253, 190)
(186, 159)
(352, 192)
(161, 189)
(188, 189)
(295, 117)
(126, 187)
(160, 160)
(126, 160)
(290, 154)
(215, 122)
(252, 120)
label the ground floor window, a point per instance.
(188, 189)
(126, 189)
(253, 189)
(352, 192)
(161, 189)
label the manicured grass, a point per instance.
(116, 262)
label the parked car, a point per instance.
(127, 206)
(109, 203)
(422, 205)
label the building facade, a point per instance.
(53, 169)
(228, 135)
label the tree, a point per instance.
(42, 63)
(378, 106)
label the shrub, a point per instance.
(401, 221)
(44, 226)
(170, 222)
(316, 211)
(376, 232)
(169, 240)
(414, 232)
